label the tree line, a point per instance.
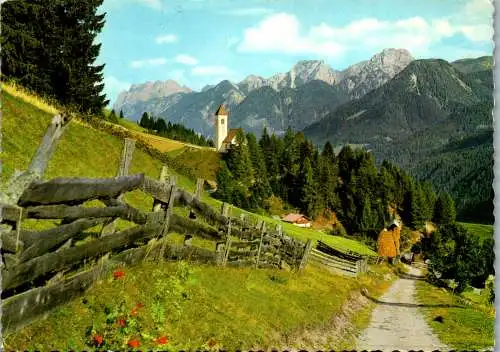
(173, 130)
(49, 47)
(292, 169)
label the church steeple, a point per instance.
(220, 126)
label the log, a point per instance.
(56, 261)
(10, 213)
(9, 239)
(159, 190)
(78, 190)
(199, 188)
(71, 213)
(185, 198)
(182, 225)
(48, 240)
(305, 255)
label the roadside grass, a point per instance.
(196, 307)
(480, 230)
(470, 327)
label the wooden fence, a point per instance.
(341, 262)
(45, 268)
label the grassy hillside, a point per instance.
(480, 230)
(265, 307)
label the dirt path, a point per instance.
(396, 323)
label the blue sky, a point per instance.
(200, 42)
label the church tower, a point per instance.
(220, 126)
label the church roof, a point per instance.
(231, 134)
(221, 110)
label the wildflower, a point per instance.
(139, 305)
(133, 312)
(134, 343)
(118, 274)
(163, 340)
(122, 322)
(98, 340)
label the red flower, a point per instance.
(134, 343)
(122, 322)
(133, 312)
(98, 340)
(163, 340)
(139, 305)
(118, 274)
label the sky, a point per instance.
(200, 42)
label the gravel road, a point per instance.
(396, 324)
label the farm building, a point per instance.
(298, 220)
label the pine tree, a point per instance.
(49, 47)
(444, 210)
(225, 185)
(308, 190)
(121, 114)
(261, 189)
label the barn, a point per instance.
(298, 220)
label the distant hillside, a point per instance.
(433, 120)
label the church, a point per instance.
(224, 139)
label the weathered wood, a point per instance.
(9, 240)
(11, 260)
(157, 204)
(263, 229)
(47, 147)
(168, 215)
(185, 198)
(182, 225)
(45, 241)
(334, 264)
(159, 190)
(199, 188)
(225, 209)
(10, 212)
(51, 262)
(78, 190)
(305, 255)
(71, 213)
(227, 246)
(332, 258)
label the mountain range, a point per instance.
(297, 98)
(432, 117)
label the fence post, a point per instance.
(225, 209)
(199, 188)
(228, 244)
(123, 169)
(263, 229)
(168, 213)
(157, 205)
(305, 256)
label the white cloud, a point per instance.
(251, 11)
(186, 60)
(166, 39)
(283, 33)
(148, 62)
(211, 71)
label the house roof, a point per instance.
(231, 134)
(221, 110)
(294, 218)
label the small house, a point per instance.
(298, 220)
